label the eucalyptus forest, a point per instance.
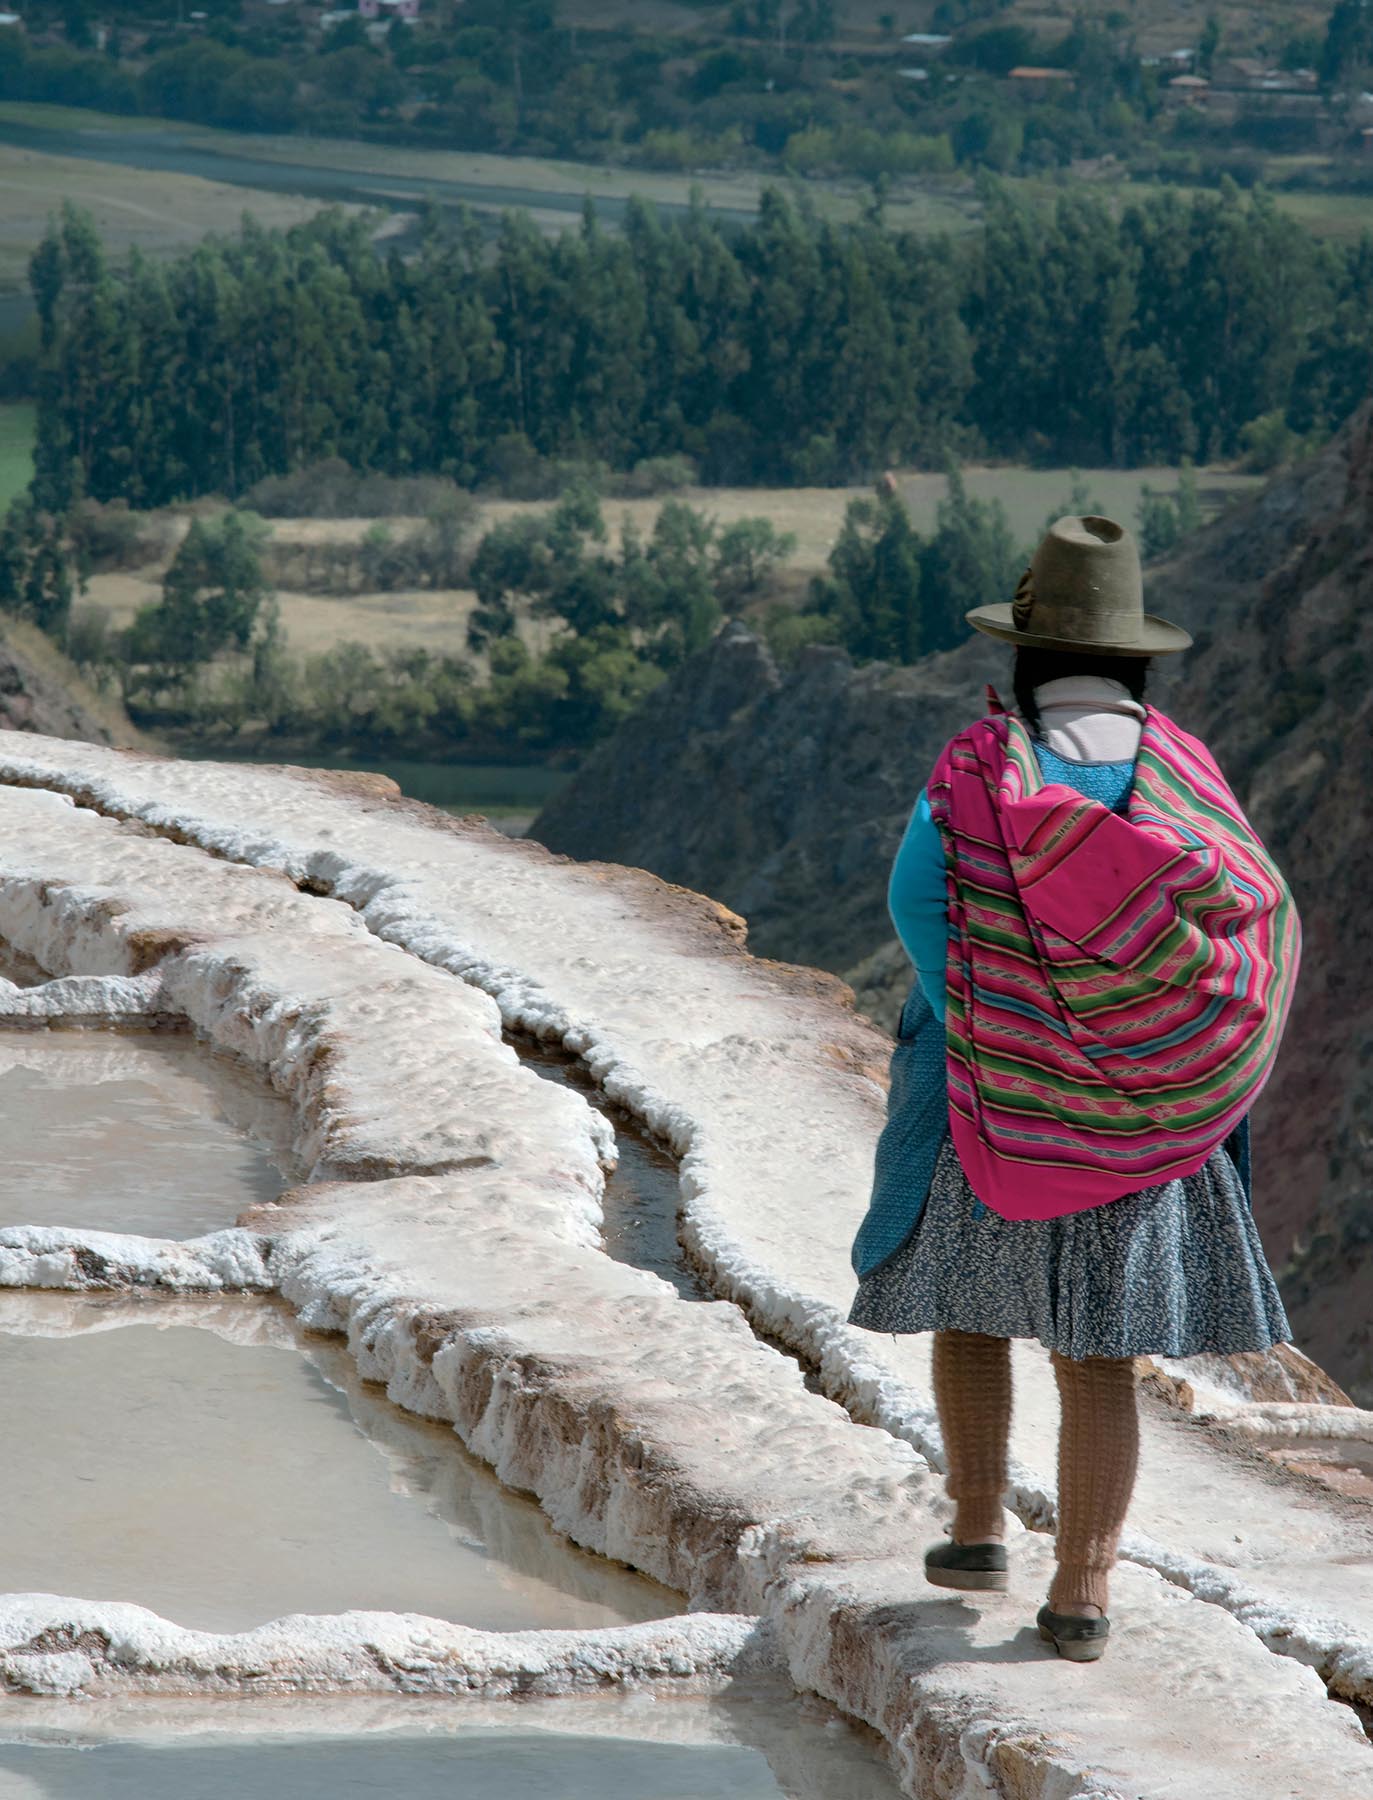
(794, 350)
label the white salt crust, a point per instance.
(54, 1646)
(650, 1428)
(87, 1001)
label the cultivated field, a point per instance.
(316, 622)
(437, 621)
(936, 204)
(159, 212)
(164, 209)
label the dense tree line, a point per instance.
(793, 351)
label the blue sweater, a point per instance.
(916, 890)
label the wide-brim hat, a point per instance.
(1083, 592)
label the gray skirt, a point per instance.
(1172, 1271)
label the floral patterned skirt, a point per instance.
(1174, 1270)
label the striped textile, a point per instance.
(1117, 986)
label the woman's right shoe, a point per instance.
(1077, 1638)
(966, 1566)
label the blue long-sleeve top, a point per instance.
(916, 890)
(917, 902)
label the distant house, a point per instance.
(1241, 72)
(1187, 90)
(409, 10)
(1171, 62)
(1040, 84)
(931, 42)
(1290, 81)
(914, 74)
(9, 18)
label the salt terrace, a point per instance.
(716, 1427)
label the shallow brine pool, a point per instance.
(640, 1748)
(151, 1134)
(224, 1483)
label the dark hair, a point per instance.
(1034, 667)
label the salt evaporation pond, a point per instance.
(223, 1484)
(147, 1133)
(493, 1765)
(763, 1749)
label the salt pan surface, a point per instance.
(773, 1094)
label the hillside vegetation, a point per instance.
(810, 85)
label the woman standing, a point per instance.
(1105, 957)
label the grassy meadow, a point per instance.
(16, 448)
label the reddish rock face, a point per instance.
(1281, 596)
(33, 698)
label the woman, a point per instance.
(1105, 956)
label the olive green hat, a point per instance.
(1082, 592)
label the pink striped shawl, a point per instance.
(1117, 985)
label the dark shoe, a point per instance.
(1079, 1639)
(954, 1565)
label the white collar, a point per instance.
(1087, 693)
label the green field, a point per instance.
(171, 206)
(17, 422)
(79, 118)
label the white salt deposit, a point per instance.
(649, 1427)
(53, 1646)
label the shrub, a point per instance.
(1268, 441)
(110, 536)
(789, 632)
(91, 643)
(653, 475)
(332, 490)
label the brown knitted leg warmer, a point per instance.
(1098, 1454)
(972, 1389)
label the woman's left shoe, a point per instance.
(1074, 1636)
(967, 1566)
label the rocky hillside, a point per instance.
(785, 794)
(41, 691)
